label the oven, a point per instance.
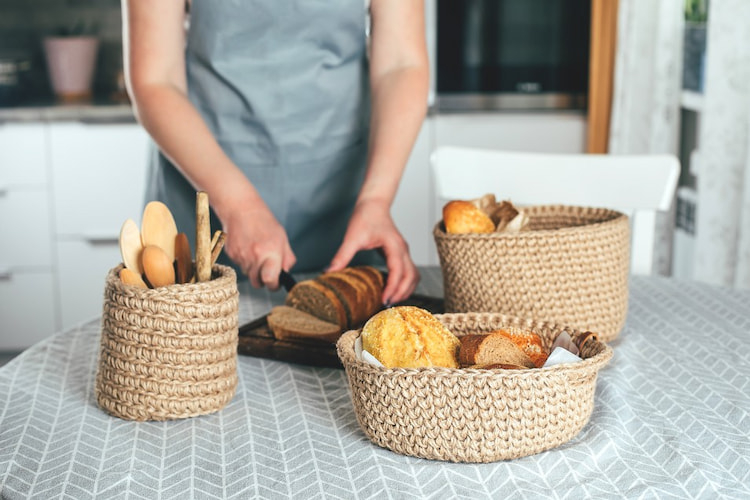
(510, 54)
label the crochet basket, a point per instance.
(473, 415)
(168, 352)
(571, 267)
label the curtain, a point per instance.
(646, 95)
(722, 232)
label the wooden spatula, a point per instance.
(202, 238)
(184, 258)
(131, 246)
(158, 228)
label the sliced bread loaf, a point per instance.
(315, 298)
(348, 297)
(290, 323)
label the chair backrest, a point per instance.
(638, 185)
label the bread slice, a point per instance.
(317, 299)
(528, 341)
(491, 349)
(374, 284)
(345, 292)
(290, 323)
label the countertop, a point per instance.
(95, 111)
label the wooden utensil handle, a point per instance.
(202, 238)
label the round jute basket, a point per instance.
(169, 352)
(571, 266)
(473, 415)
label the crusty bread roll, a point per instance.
(461, 217)
(491, 349)
(409, 337)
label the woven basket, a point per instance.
(470, 415)
(570, 267)
(169, 352)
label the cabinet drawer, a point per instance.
(82, 270)
(99, 173)
(25, 229)
(23, 157)
(27, 309)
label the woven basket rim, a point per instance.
(220, 275)
(345, 350)
(615, 217)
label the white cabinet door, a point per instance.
(543, 132)
(28, 310)
(23, 155)
(411, 206)
(99, 173)
(99, 177)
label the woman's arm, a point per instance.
(399, 75)
(154, 42)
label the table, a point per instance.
(671, 420)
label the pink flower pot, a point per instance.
(71, 62)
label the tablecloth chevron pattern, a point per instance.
(671, 420)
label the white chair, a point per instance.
(637, 185)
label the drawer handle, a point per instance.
(100, 239)
(3, 190)
(5, 273)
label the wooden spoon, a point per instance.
(159, 228)
(131, 246)
(130, 277)
(184, 258)
(157, 266)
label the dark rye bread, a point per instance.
(491, 349)
(348, 297)
(290, 323)
(317, 299)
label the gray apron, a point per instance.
(284, 87)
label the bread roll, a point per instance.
(461, 217)
(491, 349)
(409, 337)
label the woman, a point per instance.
(276, 109)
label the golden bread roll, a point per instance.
(461, 217)
(491, 349)
(409, 337)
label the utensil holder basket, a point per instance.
(474, 415)
(571, 267)
(168, 352)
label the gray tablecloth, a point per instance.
(670, 421)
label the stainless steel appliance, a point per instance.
(512, 54)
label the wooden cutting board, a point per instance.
(256, 339)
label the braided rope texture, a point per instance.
(169, 352)
(472, 415)
(570, 267)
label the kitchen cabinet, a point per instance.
(99, 178)
(66, 187)
(28, 311)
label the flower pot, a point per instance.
(71, 62)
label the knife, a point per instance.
(286, 280)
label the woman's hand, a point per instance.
(257, 243)
(371, 227)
